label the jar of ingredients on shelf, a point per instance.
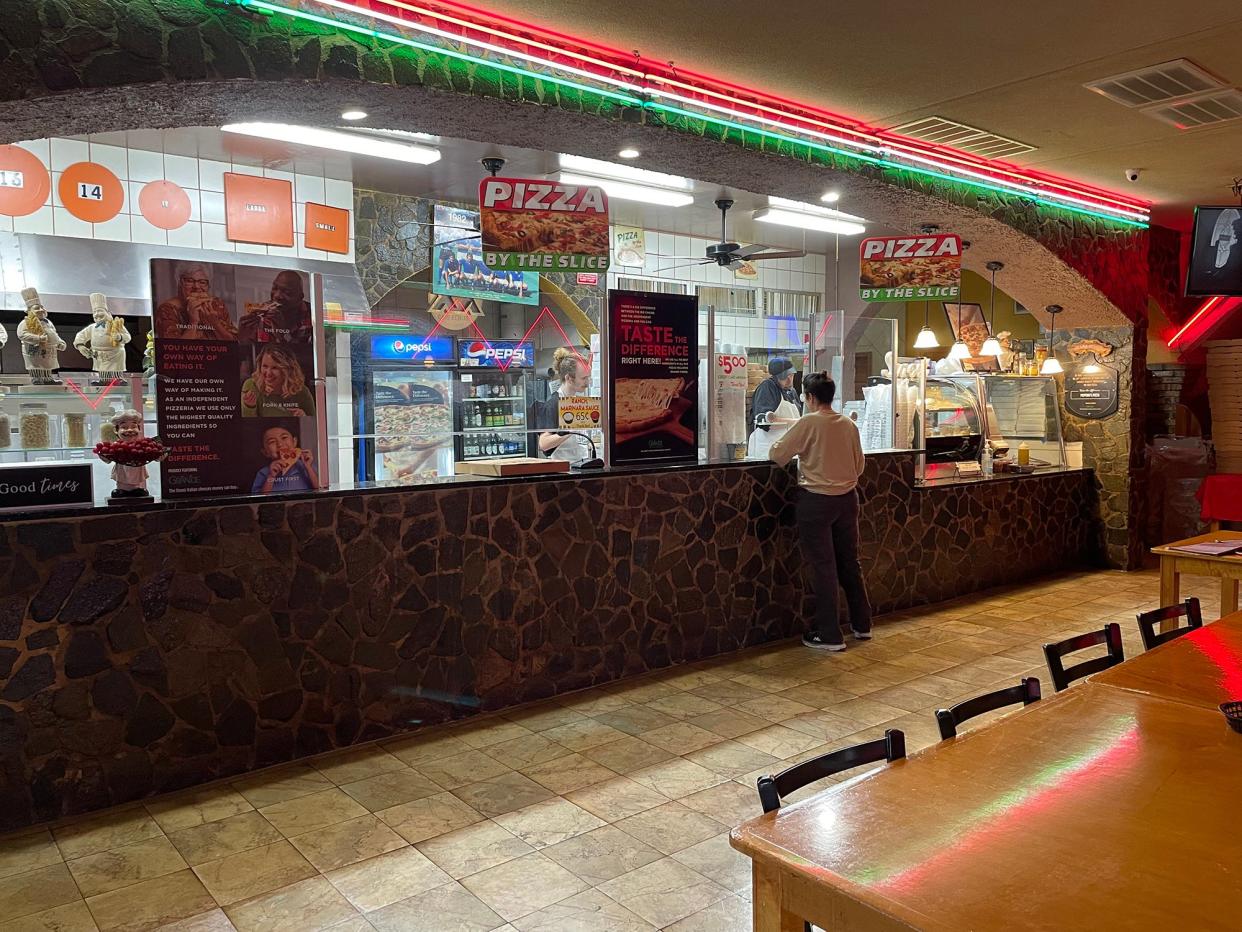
(34, 426)
(75, 430)
(6, 429)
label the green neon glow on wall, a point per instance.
(649, 105)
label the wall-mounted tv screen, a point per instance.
(1216, 252)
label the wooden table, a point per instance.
(1202, 668)
(1175, 562)
(1100, 808)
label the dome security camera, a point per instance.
(1132, 174)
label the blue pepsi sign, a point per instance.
(495, 354)
(412, 348)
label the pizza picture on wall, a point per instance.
(258, 210)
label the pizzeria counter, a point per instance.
(163, 646)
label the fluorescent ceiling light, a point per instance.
(356, 143)
(585, 166)
(809, 221)
(394, 133)
(624, 191)
(815, 209)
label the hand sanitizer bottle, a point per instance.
(985, 460)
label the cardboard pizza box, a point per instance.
(512, 466)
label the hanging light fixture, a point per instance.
(991, 346)
(1051, 365)
(959, 350)
(927, 337)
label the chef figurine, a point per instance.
(40, 342)
(131, 481)
(103, 342)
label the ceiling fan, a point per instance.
(733, 255)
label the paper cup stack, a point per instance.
(1224, 372)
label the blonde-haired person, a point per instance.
(574, 376)
(278, 387)
(830, 460)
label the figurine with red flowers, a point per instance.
(129, 455)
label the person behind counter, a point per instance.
(775, 406)
(830, 460)
(574, 379)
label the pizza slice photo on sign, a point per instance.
(542, 225)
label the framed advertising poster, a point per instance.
(457, 268)
(654, 362)
(531, 223)
(235, 394)
(910, 268)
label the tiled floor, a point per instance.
(606, 811)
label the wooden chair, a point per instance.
(1109, 635)
(1147, 622)
(773, 789)
(1026, 692)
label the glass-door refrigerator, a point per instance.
(405, 409)
(493, 376)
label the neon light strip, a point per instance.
(1198, 323)
(1207, 642)
(1044, 191)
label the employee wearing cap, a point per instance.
(776, 407)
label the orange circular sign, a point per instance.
(24, 182)
(90, 192)
(165, 204)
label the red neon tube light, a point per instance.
(1210, 313)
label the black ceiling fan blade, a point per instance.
(747, 251)
(786, 254)
(685, 265)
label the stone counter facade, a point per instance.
(145, 652)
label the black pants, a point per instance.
(828, 527)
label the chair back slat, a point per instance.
(1062, 676)
(773, 789)
(1147, 622)
(1026, 692)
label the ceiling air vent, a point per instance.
(944, 132)
(1200, 110)
(1156, 84)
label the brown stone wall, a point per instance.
(148, 651)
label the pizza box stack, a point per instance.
(512, 466)
(1224, 373)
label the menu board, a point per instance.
(910, 268)
(532, 223)
(653, 355)
(1092, 390)
(729, 405)
(236, 366)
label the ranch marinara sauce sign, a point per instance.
(543, 226)
(906, 268)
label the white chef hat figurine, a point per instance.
(40, 342)
(103, 342)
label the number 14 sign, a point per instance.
(90, 192)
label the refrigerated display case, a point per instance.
(492, 391)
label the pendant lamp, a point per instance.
(959, 350)
(1051, 365)
(991, 346)
(927, 337)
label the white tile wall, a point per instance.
(203, 182)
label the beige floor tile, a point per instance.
(728, 692)
(417, 750)
(447, 908)
(676, 778)
(568, 773)
(732, 914)
(644, 690)
(588, 910)
(903, 697)
(583, 734)
(769, 681)
(347, 842)
(670, 827)
(680, 737)
(824, 726)
(518, 888)
(716, 860)
(730, 804)
(820, 695)
(276, 786)
(544, 716)
(635, 719)
(689, 679)
(215, 920)
(197, 807)
(151, 904)
(729, 723)
(549, 822)
(386, 790)
(461, 769)
(219, 839)
(35, 891)
(774, 708)
(307, 813)
(72, 917)
(387, 879)
(526, 751)
(309, 905)
(867, 711)
(663, 892)
(252, 873)
(110, 830)
(592, 702)
(427, 818)
(779, 741)
(502, 794)
(486, 732)
(602, 854)
(627, 755)
(684, 705)
(129, 864)
(730, 758)
(616, 799)
(359, 764)
(474, 848)
(27, 850)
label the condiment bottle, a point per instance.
(1024, 454)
